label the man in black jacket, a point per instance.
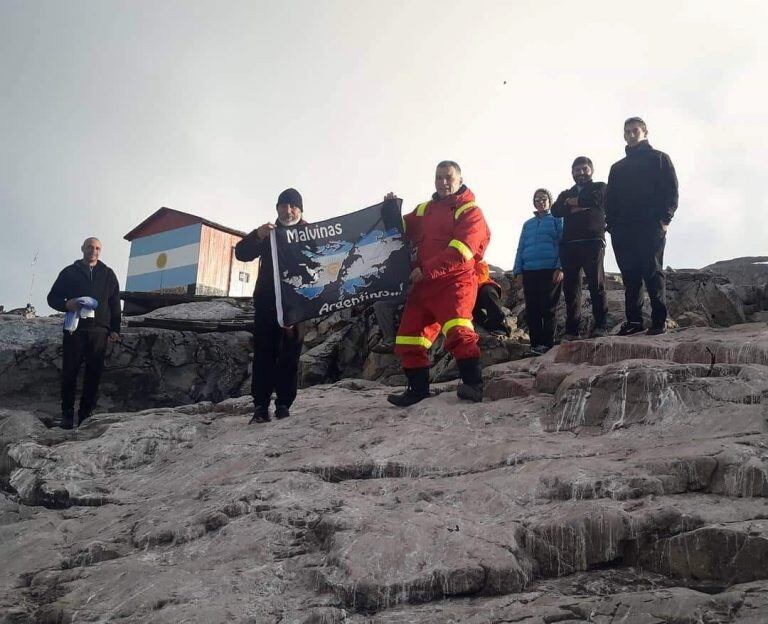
(641, 201)
(88, 277)
(583, 246)
(276, 349)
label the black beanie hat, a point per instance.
(290, 196)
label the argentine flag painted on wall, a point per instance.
(164, 260)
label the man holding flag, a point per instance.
(276, 349)
(448, 235)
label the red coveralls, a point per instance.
(448, 236)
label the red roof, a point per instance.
(166, 219)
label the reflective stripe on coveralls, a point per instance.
(465, 251)
(462, 208)
(419, 341)
(457, 322)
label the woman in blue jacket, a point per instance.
(537, 265)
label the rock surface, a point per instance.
(746, 271)
(612, 481)
(156, 366)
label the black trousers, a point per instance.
(639, 251)
(488, 310)
(588, 257)
(84, 345)
(276, 353)
(541, 298)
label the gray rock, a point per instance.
(649, 507)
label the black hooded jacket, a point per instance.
(78, 280)
(642, 188)
(250, 248)
(584, 225)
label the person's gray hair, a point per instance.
(449, 163)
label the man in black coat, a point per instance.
(582, 208)
(276, 349)
(641, 201)
(88, 277)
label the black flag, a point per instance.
(333, 265)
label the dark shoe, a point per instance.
(384, 347)
(470, 392)
(628, 329)
(282, 411)
(67, 419)
(539, 349)
(260, 415)
(569, 337)
(656, 331)
(598, 332)
(471, 386)
(83, 416)
(417, 390)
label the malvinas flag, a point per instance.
(333, 265)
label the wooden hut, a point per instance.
(181, 253)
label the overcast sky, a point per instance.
(109, 110)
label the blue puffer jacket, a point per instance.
(539, 246)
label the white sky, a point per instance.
(109, 110)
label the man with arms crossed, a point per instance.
(582, 208)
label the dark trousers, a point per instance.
(639, 251)
(488, 310)
(541, 298)
(276, 353)
(588, 257)
(87, 345)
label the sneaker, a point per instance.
(539, 349)
(260, 415)
(598, 332)
(656, 331)
(384, 347)
(569, 337)
(628, 328)
(281, 411)
(470, 392)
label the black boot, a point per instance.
(471, 386)
(260, 414)
(82, 416)
(67, 418)
(282, 411)
(417, 390)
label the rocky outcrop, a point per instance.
(746, 271)
(610, 481)
(201, 351)
(150, 367)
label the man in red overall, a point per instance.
(447, 235)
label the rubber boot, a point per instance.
(471, 386)
(417, 390)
